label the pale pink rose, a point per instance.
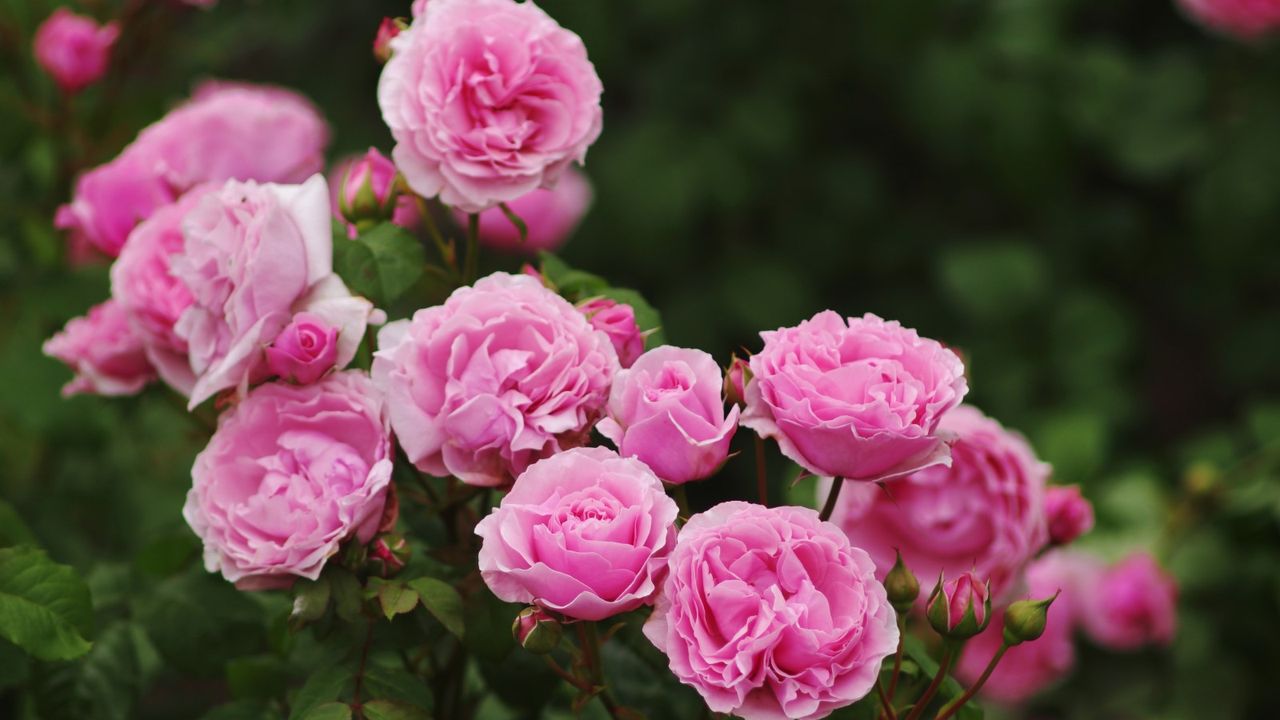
(418, 8)
(488, 100)
(405, 213)
(550, 216)
(106, 355)
(584, 533)
(666, 411)
(142, 282)
(860, 401)
(985, 512)
(254, 256)
(618, 321)
(74, 49)
(110, 200)
(1245, 19)
(305, 350)
(292, 472)
(1069, 513)
(1030, 667)
(770, 613)
(1131, 604)
(500, 376)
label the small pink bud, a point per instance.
(305, 350)
(618, 321)
(74, 49)
(959, 608)
(735, 381)
(536, 631)
(369, 189)
(1070, 515)
(388, 29)
(388, 554)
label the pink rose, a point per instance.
(985, 512)
(735, 380)
(1245, 19)
(500, 376)
(618, 321)
(666, 411)
(488, 100)
(550, 216)
(418, 8)
(1070, 515)
(860, 401)
(584, 533)
(74, 49)
(110, 200)
(952, 602)
(770, 613)
(103, 351)
(292, 472)
(405, 213)
(254, 256)
(1130, 604)
(305, 350)
(1031, 666)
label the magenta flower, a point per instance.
(74, 49)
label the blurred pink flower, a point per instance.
(1069, 513)
(74, 49)
(103, 351)
(1245, 19)
(550, 216)
(1130, 604)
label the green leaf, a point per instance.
(392, 710)
(345, 589)
(241, 710)
(488, 623)
(199, 621)
(45, 608)
(380, 264)
(257, 676)
(329, 711)
(12, 530)
(310, 600)
(321, 689)
(443, 602)
(397, 684)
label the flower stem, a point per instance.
(762, 476)
(884, 701)
(447, 253)
(954, 706)
(590, 641)
(473, 245)
(830, 507)
(918, 709)
(897, 657)
(682, 501)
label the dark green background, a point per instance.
(1081, 195)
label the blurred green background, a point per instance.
(1083, 196)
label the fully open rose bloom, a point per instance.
(860, 400)
(770, 613)
(74, 49)
(254, 255)
(499, 376)
(985, 512)
(667, 411)
(488, 100)
(106, 355)
(550, 216)
(291, 472)
(584, 533)
(1245, 19)
(1130, 604)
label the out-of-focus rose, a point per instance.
(405, 213)
(1245, 19)
(74, 49)
(501, 375)
(667, 412)
(388, 29)
(418, 8)
(110, 200)
(860, 401)
(305, 350)
(292, 472)
(1070, 515)
(1031, 666)
(618, 321)
(488, 100)
(550, 216)
(985, 512)
(584, 533)
(254, 256)
(103, 351)
(1131, 604)
(770, 613)
(959, 607)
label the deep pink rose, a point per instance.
(1031, 666)
(618, 321)
(388, 29)
(735, 380)
(254, 256)
(985, 512)
(142, 281)
(106, 355)
(1131, 604)
(502, 375)
(584, 533)
(405, 213)
(292, 472)
(950, 605)
(74, 49)
(550, 216)
(305, 350)
(770, 613)
(110, 200)
(488, 100)
(1069, 514)
(860, 401)
(666, 410)
(1245, 19)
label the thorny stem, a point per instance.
(364, 657)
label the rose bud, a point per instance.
(388, 555)
(1068, 513)
(387, 30)
(536, 631)
(305, 350)
(960, 608)
(73, 49)
(1025, 620)
(618, 321)
(736, 378)
(901, 586)
(369, 190)
(666, 411)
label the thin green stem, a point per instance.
(682, 500)
(762, 475)
(897, 657)
(943, 668)
(589, 638)
(884, 702)
(830, 506)
(473, 249)
(447, 253)
(954, 706)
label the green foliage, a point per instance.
(44, 608)
(442, 601)
(380, 264)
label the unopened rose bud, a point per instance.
(901, 586)
(536, 631)
(388, 554)
(74, 49)
(618, 321)
(960, 608)
(388, 29)
(1069, 514)
(369, 190)
(1025, 620)
(736, 378)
